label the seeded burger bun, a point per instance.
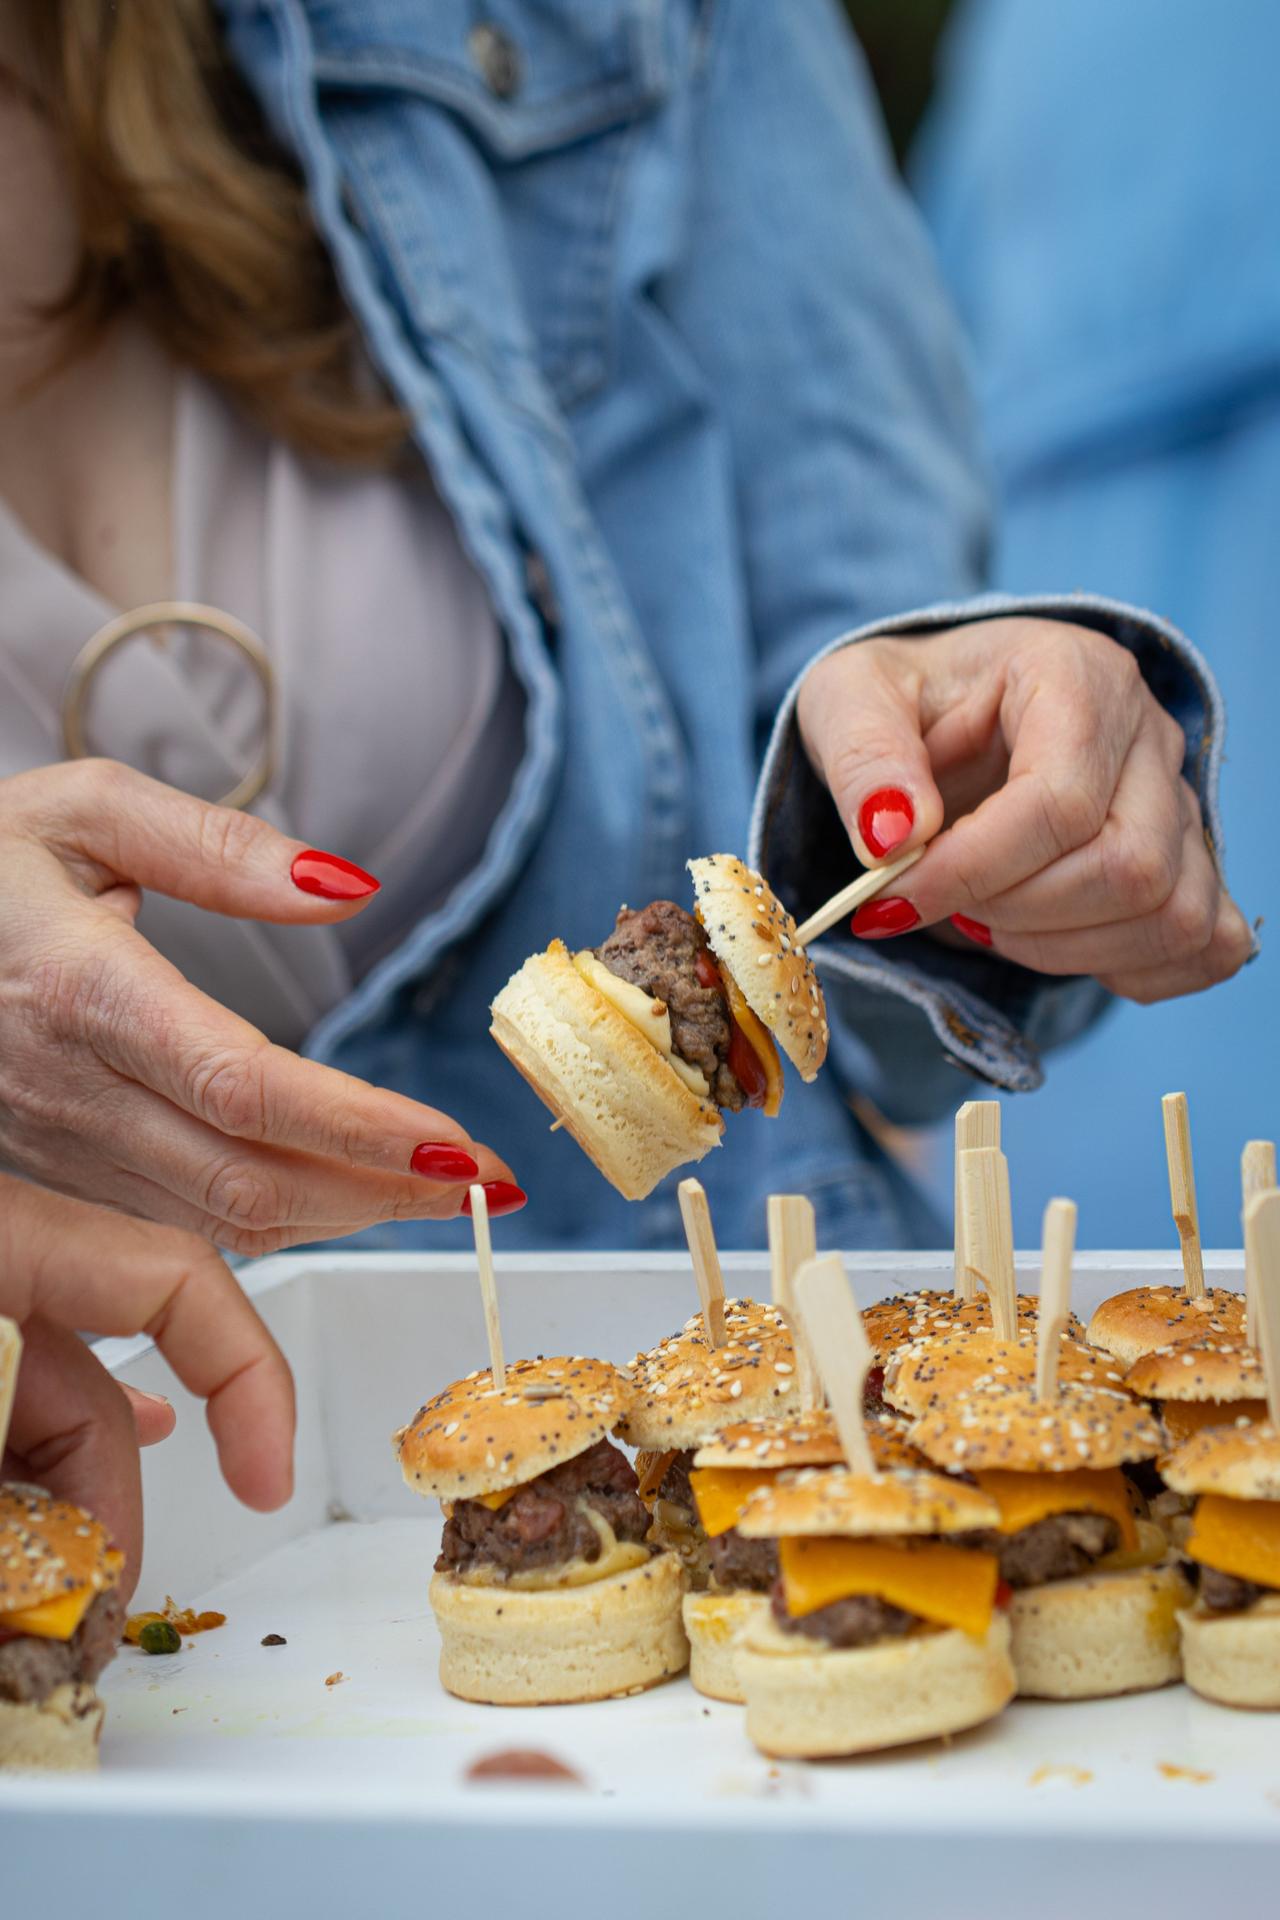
(1132, 1323)
(753, 936)
(1102, 1633)
(49, 1548)
(684, 1391)
(804, 1700)
(928, 1371)
(903, 1317)
(1233, 1657)
(803, 1440)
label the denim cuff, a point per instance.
(991, 1017)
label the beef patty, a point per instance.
(855, 1622)
(543, 1524)
(741, 1565)
(31, 1668)
(656, 948)
(1057, 1548)
(1224, 1593)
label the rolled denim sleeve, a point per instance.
(906, 1016)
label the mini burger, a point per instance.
(546, 1588)
(61, 1618)
(725, 1474)
(1194, 1386)
(1231, 1635)
(1095, 1595)
(1132, 1323)
(905, 1317)
(882, 1627)
(928, 1371)
(640, 1045)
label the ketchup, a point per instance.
(1004, 1594)
(743, 1060)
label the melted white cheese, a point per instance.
(648, 1016)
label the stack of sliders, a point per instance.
(1095, 1591)
(1231, 1636)
(882, 1627)
(546, 1589)
(61, 1615)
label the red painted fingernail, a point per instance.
(885, 819)
(504, 1196)
(436, 1161)
(879, 919)
(972, 929)
(332, 878)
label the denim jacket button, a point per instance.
(497, 59)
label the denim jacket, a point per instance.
(668, 333)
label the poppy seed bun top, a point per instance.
(1192, 1371)
(684, 1391)
(49, 1548)
(835, 1503)
(929, 1371)
(1008, 1427)
(1241, 1463)
(474, 1438)
(750, 932)
(912, 1316)
(804, 1440)
(1131, 1323)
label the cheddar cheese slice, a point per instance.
(1241, 1537)
(722, 1492)
(950, 1586)
(1024, 1498)
(496, 1501)
(55, 1619)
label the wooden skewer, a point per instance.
(10, 1358)
(988, 1233)
(855, 895)
(1182, 1191)
(1262, 1239)
(698, 1231)
(1257, 1175)
(838, 1340)
(793, 1239)
(488, 1284)
(977, 1125)
(1058, 1242)
(555, 1126)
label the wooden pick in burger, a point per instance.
(1262, 1241)
(1182, 1191)
(837, 1339)
(793, 1239)
(698, 1231)
(855, 895)
(1257, 1175)
(1058, 1244)
(10, 1360)
(488, 1284)
(987, 1233)
(977, 1125)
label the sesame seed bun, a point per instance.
(1132, 1323)
(891, 1323)
(622, 1102)
(48, 1547)
(1242, 1463)
(805, 1440)
(715, 1623)
(1099, 1635)
(751, 933)
(818, 1503)
(1010, 1428)
(473, 1438)
(928, 1371)
(1192, 1371)
(684, 1391)
(1234, 1658)
(59, 1734)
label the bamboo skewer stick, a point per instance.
(488, 1285)
(855, 895)
(793, 1240)
(698, 1231)
(10, 1359)
(1257, 1175)
(1058, 1242)
(987, 1241)
(1182, 1190)
(977, 1125)
(1262, 1239)
(838, 1340)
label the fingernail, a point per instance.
(885, 819)
(436, 1161)
(332, 878)
(152, 1399)
(504, 1196)
(879, 919)
(972, 929)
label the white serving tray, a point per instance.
(234, 1781)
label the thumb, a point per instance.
(859, 717)
(117, 828)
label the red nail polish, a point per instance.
(504, 1196)
(879, 919)
(436, 1161)
(332, 878)
(972, 929)
(885, 819)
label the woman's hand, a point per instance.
(119, 1081)
(1072, 843)
(66, 1266)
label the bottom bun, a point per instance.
(513, 1649)
(1102, 1634)
(57, 1735)
(714, 1622)
(1234, 1657)
(807, 1702)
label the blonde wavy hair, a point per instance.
(190, 215)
